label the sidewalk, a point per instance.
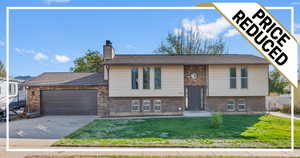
(44, 143)
(284, 115)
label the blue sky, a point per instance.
(49, 40)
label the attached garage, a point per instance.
(67, 93)
(69, 102)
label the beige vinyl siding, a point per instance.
(172, 82)
(219, 81)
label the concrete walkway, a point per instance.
(284, 115)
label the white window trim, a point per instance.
(245, 105)
(146, 105)
(234, 105)
(132, 105)
(155, 105)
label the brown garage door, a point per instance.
(69, 102)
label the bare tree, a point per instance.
(190, 41)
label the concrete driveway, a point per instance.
(46, 127)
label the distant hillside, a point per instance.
(23, 77)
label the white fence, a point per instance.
(277, 102)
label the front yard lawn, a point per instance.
(254, 131)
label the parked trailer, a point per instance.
(16, 96)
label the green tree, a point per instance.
(277, 83)
(90, 62)
(190, 41)
(2, 70)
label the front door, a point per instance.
(195, 98)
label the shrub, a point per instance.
(216, 120)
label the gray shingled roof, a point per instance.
(67, 78)
(186, 59)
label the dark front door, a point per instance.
(69, 102)
(195, 97)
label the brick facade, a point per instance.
(34, 99)
(121, 106)
(219, 103)
(200, 70)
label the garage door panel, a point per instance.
(69, 102)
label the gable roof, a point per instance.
(187, 59)
(67, 78)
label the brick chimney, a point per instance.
(108, 50)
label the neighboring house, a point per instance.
(140, 85)
(16, 91)
(297, 95)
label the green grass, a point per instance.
(254, 131)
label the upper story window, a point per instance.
(244, 77)
(135, 78)
(157, 78)
(146, 78)
(232, 72)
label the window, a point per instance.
(135, 78)
(244, 77)
(146, 105)
(146, 78)
(241, 105)
(157, 78)
(135, 106)
(231, 105)
(157, 105)
(12, 89)
(232, 72)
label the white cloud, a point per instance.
(231, 33)
(2, 43)
(56, 1)
(298, 38)
(62, 58)
(40, 56)
(207, 30)
(24, 51)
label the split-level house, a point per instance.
(145, 85)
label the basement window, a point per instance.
(230, 105)
(241, 105)
(135, 106)
(146, 105)
(157, 105)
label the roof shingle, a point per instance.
(67, 78)
(195, 59)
